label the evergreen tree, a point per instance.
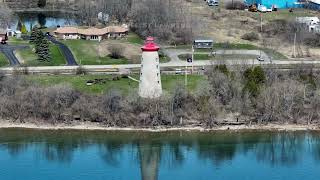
(19, 25)
(43, 51)
(24, 29)
(41, 44)
(33, 35)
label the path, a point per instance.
(65, 51)
(8, 51)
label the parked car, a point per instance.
(262, 8)
(259, 58)
(213, 2)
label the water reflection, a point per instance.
(152, 151)
(45, 19)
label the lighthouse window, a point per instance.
(158, 74)
(141, 74)
(157, 66)
(158, 82)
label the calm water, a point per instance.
(49, 19)
(83, 155)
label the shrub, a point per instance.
(116, 51)
(252, 36)
(81, 71)
(235, 5)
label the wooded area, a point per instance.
(249, 94)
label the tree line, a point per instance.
(168, 20)
(250, 94)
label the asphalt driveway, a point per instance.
(8, 51)
(65, 51)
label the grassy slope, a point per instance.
(3, 60)
(85, 53)
(124, 85)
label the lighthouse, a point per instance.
(150, 78)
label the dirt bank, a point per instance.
(97, 126)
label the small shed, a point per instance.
(203, 43)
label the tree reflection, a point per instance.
(280, 149)
(151, 150)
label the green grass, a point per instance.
(274, 54)
(134, 39)
(31, 59)
(164, 59)
(125, 85)
(231, 46)
(86, 53)
(3, 60)
(16, 41)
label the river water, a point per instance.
(98, 155)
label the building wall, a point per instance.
(281, 4)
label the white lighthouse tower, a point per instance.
(150, 78)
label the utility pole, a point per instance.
(192, 58)
(186, 75)
(260, 22)
(294, 44)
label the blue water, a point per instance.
(49, 20)
(80, 155)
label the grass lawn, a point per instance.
(125, 85)
(3, 60)
(16, 41)
(134, 39)
(86, 54)
(31, 59)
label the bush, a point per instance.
(252, 36)
(116, 51)
(81, 71)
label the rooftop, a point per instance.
(91, 30)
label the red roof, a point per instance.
(149, 45)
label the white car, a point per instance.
(213, 3)
(259, 58)
(262, 8)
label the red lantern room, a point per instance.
(149, 45)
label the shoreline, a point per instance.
(99, 127)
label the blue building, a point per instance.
(280, 4)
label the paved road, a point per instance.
(65, 51)
(118, 69)
(174, 53)
(8, 51)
